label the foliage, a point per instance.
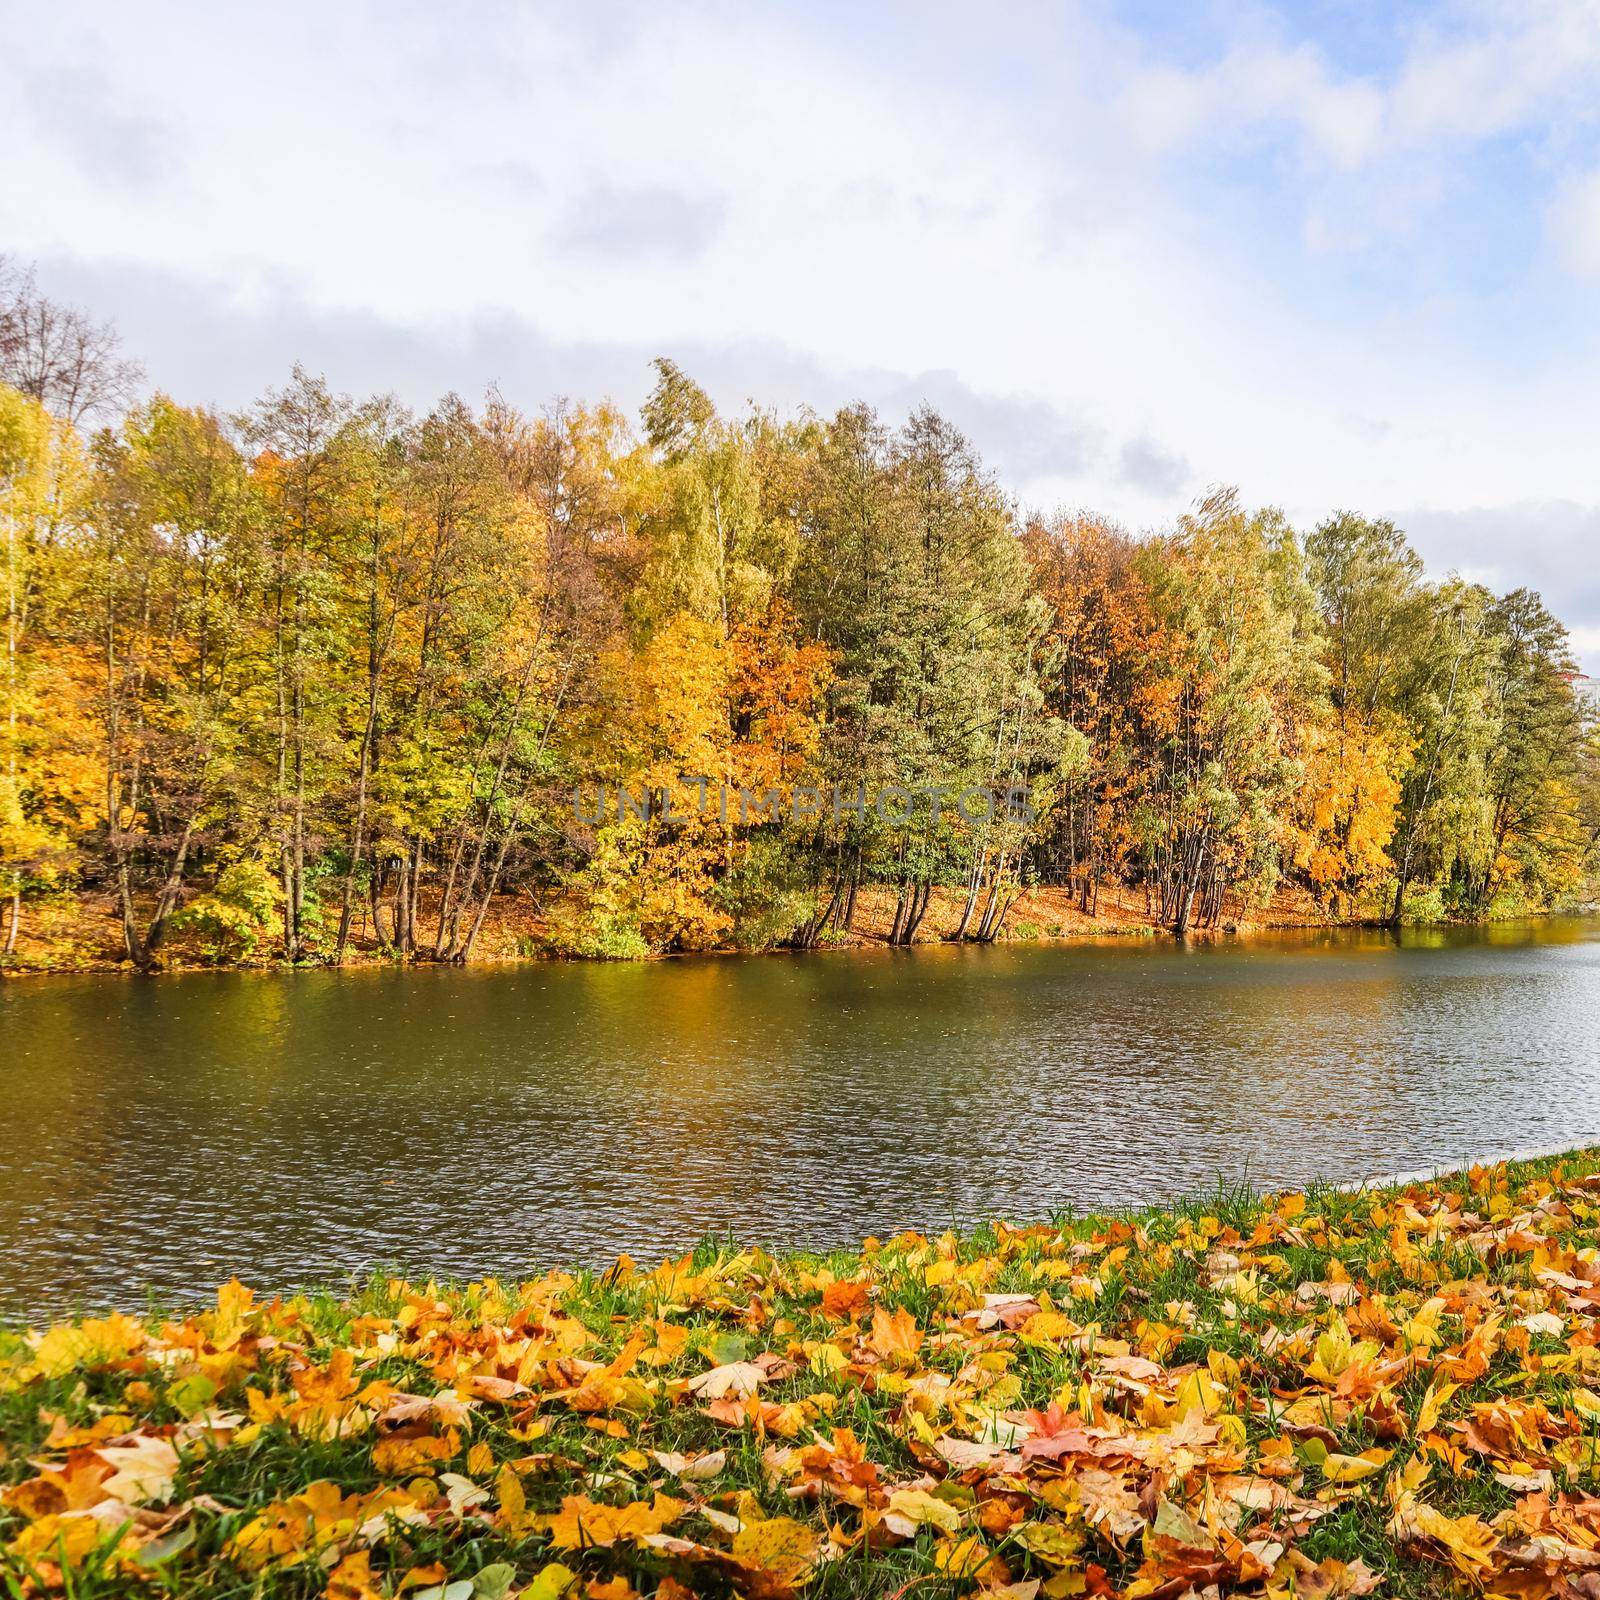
(232, 920)
(48, 779)
(380, 652)
(1325, 1394)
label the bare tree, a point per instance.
(57, 354)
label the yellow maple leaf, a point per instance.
(396, 1456)
(551, 1582)
(1433, 1402)
(143, 1469)
(894, 1334)
(352, 1579)
(580, 1524)
(968, 1558)
(1352, 1469)
(732, 1380)
(779, 1545)
(920, 1507)
(1469, 1541)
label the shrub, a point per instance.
(598, 936)
(766, 896)
(230, 921)
(1425, 905)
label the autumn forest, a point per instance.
(328, 677)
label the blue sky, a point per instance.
(1341, 253)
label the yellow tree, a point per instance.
(48, 777)
(169, 575)
(1348, 804)
(578, 485)
(1356, 744)
(776, 704)
(658, 748)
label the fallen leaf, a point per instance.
(735, 1380)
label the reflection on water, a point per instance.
(297, 1127)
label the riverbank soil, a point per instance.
(84, 933)
(1322, 1395)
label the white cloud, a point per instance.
(1516, 62)
(1576, 218)
(650, 223)
(1552, 546)
(1586, 646)
(1475, 73)
(1255, 85)
(1126, 278)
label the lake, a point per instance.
(293, 1128)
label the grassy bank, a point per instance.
(1322, 1395)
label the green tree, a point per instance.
(1445, 692)
(1242, 624)
(1534, 842)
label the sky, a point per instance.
(1344, 254)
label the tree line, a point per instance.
(330, 669)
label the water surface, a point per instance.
(298, 1127)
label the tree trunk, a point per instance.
(916, 910)
(974, 882)
(374, 890)
(1187, 886)
(358, 833)
(848, 923)
(170, 889)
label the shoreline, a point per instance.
(1242, 1190)
(1300, 1391)
(1049, 918)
